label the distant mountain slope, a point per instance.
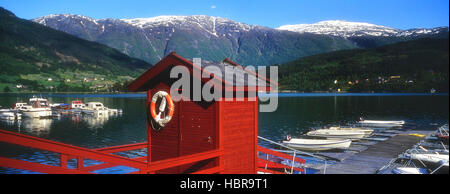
(357, 29)
(366, 35)
(417, 65)
(31, 54)
(211, 38)
(214, 38)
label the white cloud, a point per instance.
(213, 7)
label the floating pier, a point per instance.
(369, 160)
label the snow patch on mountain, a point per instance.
(342, 28)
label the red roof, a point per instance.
(141, 83)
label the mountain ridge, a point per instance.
(211, 38)
(41, 57)
(348, 29)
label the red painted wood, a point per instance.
(239, 137)
(174, 59)
(109, 165)
(63, 161)
(255, 104)
(213, 170)
(182, 160)
(279, 154)
(149, 129)
(120, 148)
(269, 171)
(165, 144)
(80, 163)
(43, 144)
(270, 164)
(36, 167)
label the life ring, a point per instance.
(166, 99)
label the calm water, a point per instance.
(296, 113)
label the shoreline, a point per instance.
(280, 94)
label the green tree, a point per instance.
(7, 89)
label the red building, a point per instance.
(227, 125)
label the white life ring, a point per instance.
(166, 99)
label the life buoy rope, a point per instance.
(156, 117)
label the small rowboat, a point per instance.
(317, 144)
(367, 131)
(337, 134)
(377, 123)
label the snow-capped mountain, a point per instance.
(215, 38)
(214, 26)
(355, 29)
(212, 38)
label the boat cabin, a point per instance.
(39, 103)
(227, 126)
(95, 106)
(19, 105)
(78, 105)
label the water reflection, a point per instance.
(42, 126)
(35, 125)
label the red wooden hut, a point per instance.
(227, 125)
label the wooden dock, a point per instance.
(375, 156)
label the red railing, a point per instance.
(68, 152)
(105, 155)
(272, 167)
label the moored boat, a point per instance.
(381, 123)
(366, 131)
(428, 160)
(337, 134)
(38, 108)
(317, 144)
(409, 170)
(427, 157)
(77, 104)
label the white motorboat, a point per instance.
(438, 162)
(18, 105)
(380, 123)
(429, 158)
(409, 170)
(337, 134)
(366, 131)
(115, 111)
(96, 108)
(29, 111)
(39, 107)
(77, 104)
(317, 144)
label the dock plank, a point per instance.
(374, 157)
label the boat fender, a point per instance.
(166, 100)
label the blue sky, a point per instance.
(402, 14)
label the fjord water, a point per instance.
(296, 113)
